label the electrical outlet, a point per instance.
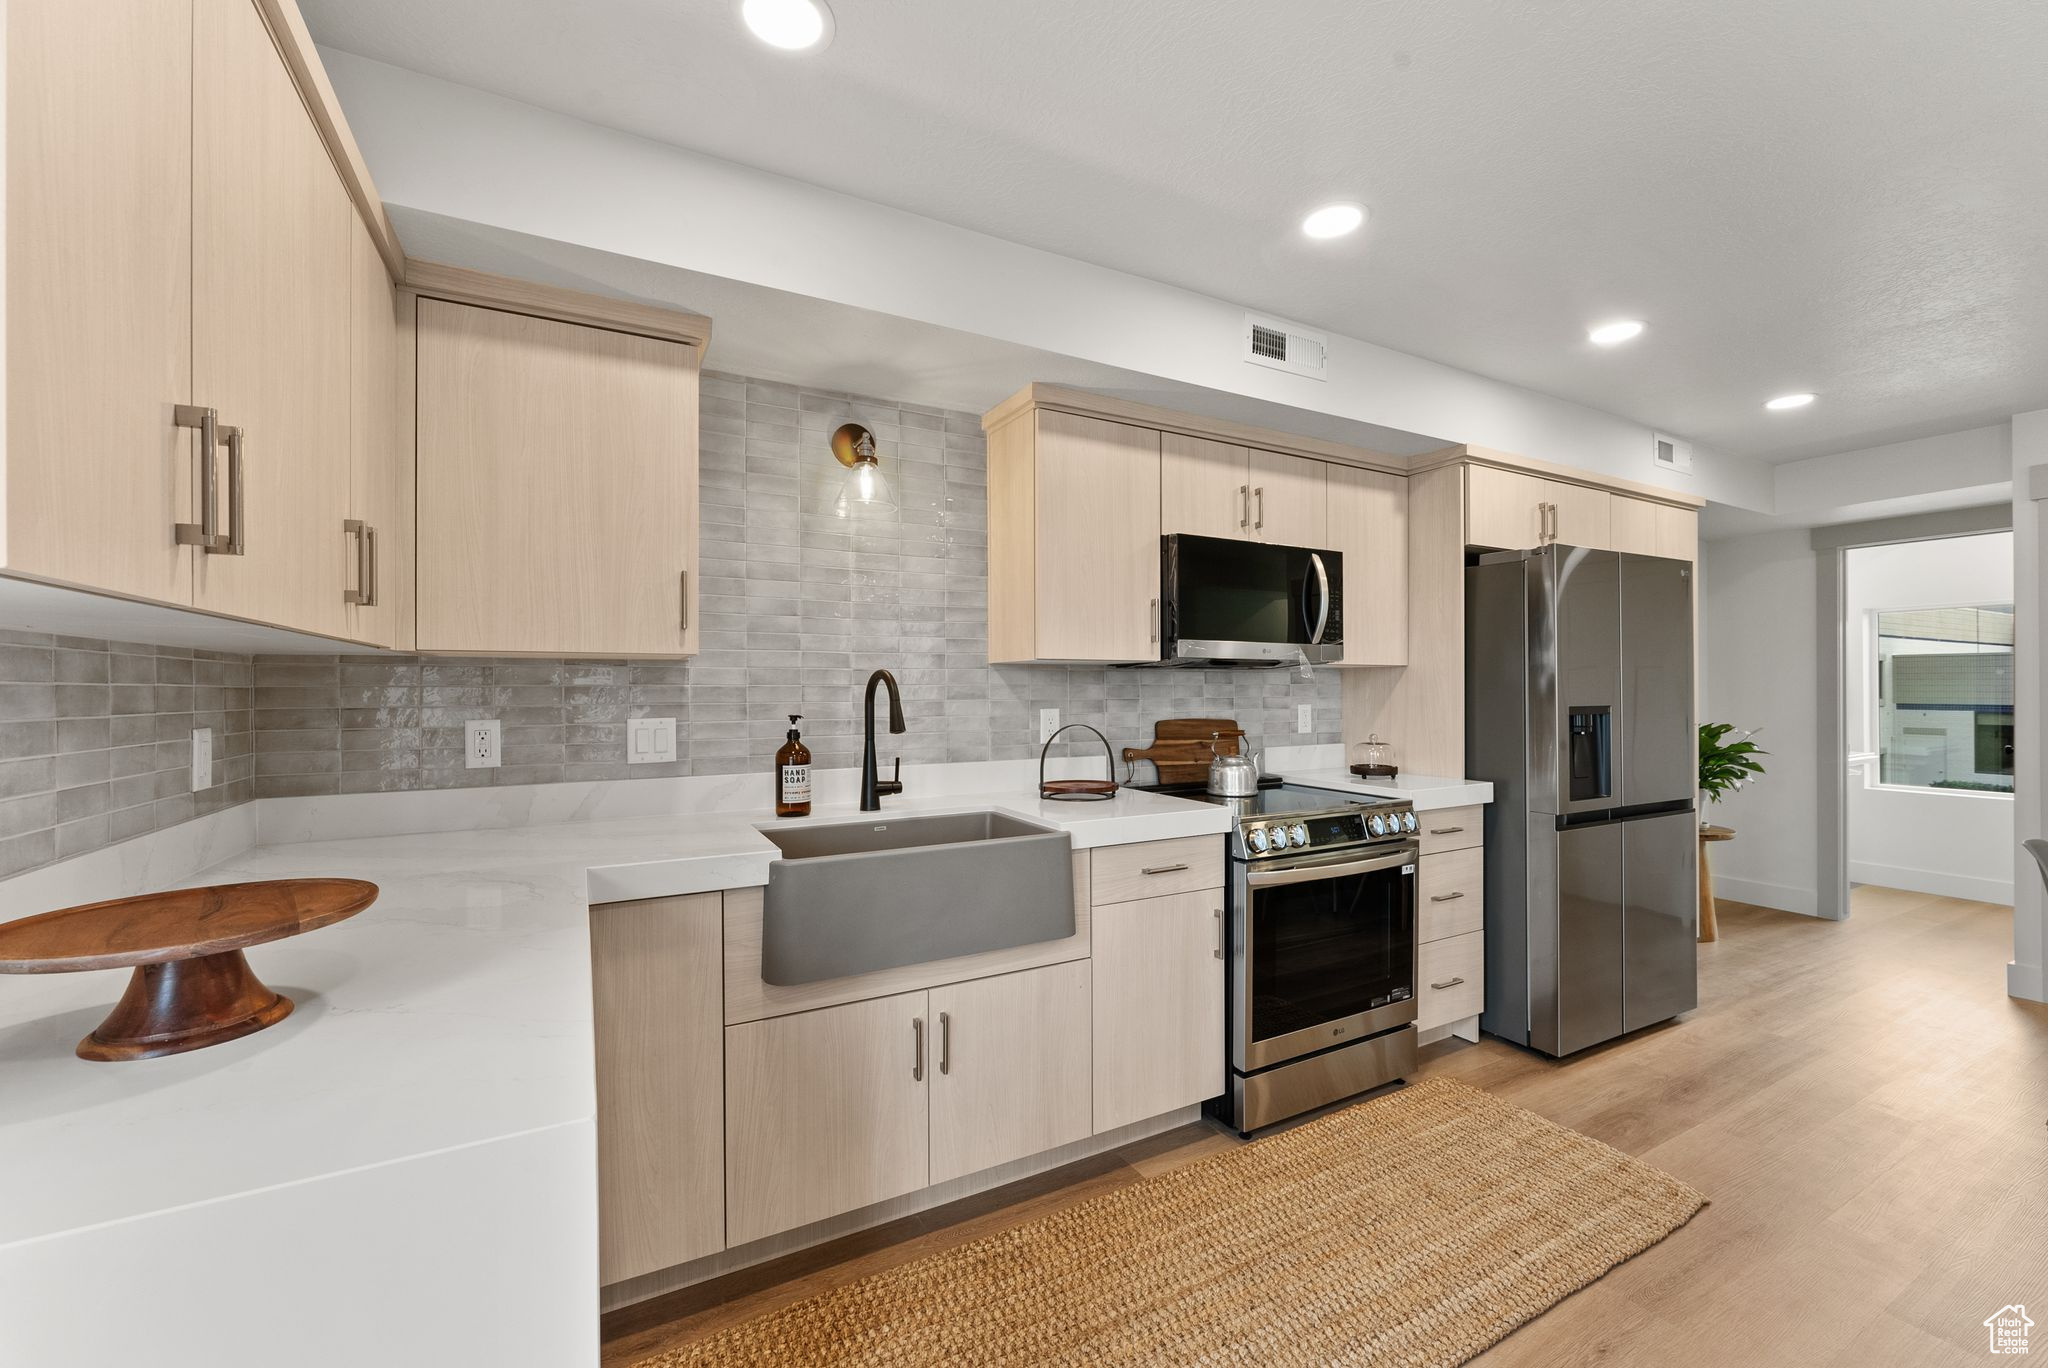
(1305, 718)
(650, 740)
(1048, 723)
(202, 758)
(480, 745)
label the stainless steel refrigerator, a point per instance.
(1579, 709)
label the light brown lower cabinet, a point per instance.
(1009, 1069)
(825, 1112)
(654, 969)
(1158, 1005)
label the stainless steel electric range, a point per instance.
(1321, 913)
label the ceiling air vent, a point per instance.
(1671, 454)
(1286, 346)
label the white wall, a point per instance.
(1757, 623)
(451, 150)
(2024, 977)
(1958, 844)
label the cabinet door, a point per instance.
(1581, 516)
(1009, 1068)
(557, 486)
(654, 969)
(1158, 990)
(1097, 539)
(1632, 526)
(1369, 528)
(1678, 532)
(1503, 509)
(1288, 500)
(270, 325)
(99, 292)
(380, 448)
(1204, 487)
(825, 1112)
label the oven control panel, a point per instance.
(1326, 830)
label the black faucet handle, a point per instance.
(894, 783)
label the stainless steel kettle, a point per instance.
(1232, 776)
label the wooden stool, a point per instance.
(191, 987)
(1709, 928)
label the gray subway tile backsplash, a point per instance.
(795, 608)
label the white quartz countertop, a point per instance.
(454, 1011)
(1427, 792)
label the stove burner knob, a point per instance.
(1376, 824)
(1408, 822)
(1279, 834)
(1300, 834)
(1256, 839)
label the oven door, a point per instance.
(1325, 954)
(1249, 603)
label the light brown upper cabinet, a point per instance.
(270, 329)
(178, 263)
(1219, 489)
(1649, 528)
(1288, 494)
(99, 293)
(1368, 520)
(380, 523)
(1073, 539)
(1515, 511)
(557, 487)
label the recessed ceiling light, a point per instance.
(792, 25)
(1333, 221)
(1610, 334)
(1788, 401)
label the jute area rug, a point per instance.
(1414, 1229)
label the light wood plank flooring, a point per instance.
(1860, 1101)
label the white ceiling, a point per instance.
(1844, 196)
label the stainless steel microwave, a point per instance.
(1230, 602)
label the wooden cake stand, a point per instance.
(191, 987)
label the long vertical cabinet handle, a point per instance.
(204, 534)
(945, 1042)
(1219, 933)
(1260, 494)
(1153, 611)
(917, 1062)
(683, 580)
(364, 595)
(1244, 515)
(235, 538)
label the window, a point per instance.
(1944, 694)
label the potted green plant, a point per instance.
(1725, 766)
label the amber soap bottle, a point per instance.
(793, 774)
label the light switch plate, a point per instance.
(202, 758)
(481, 749)
(1305, 718)
(650, 740)
(1048, 723)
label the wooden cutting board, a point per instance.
(1181, 747)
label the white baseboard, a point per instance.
(2026, 981)
(1938, 882)
(1785, 899)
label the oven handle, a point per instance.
(1315, 632)
(1270, 878)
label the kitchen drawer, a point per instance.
(1450, 892)
(1451, 828)
(1154, 869)
(1453, 980)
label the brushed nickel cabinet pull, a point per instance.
(1219, 933)
(917, 1062)
(371, 533)
(945, 1042)
(235, 539)
(1449, 982)
(1445, 831)
(683, 579)
(1155, 619)
(1162, 869)
(1260, 495)
(1244, 515)
(204, 534)
(364, 595)
(1445, 897)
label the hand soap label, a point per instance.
(796, 783)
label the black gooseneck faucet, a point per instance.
(871, 788)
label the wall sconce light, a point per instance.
(864, 491)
